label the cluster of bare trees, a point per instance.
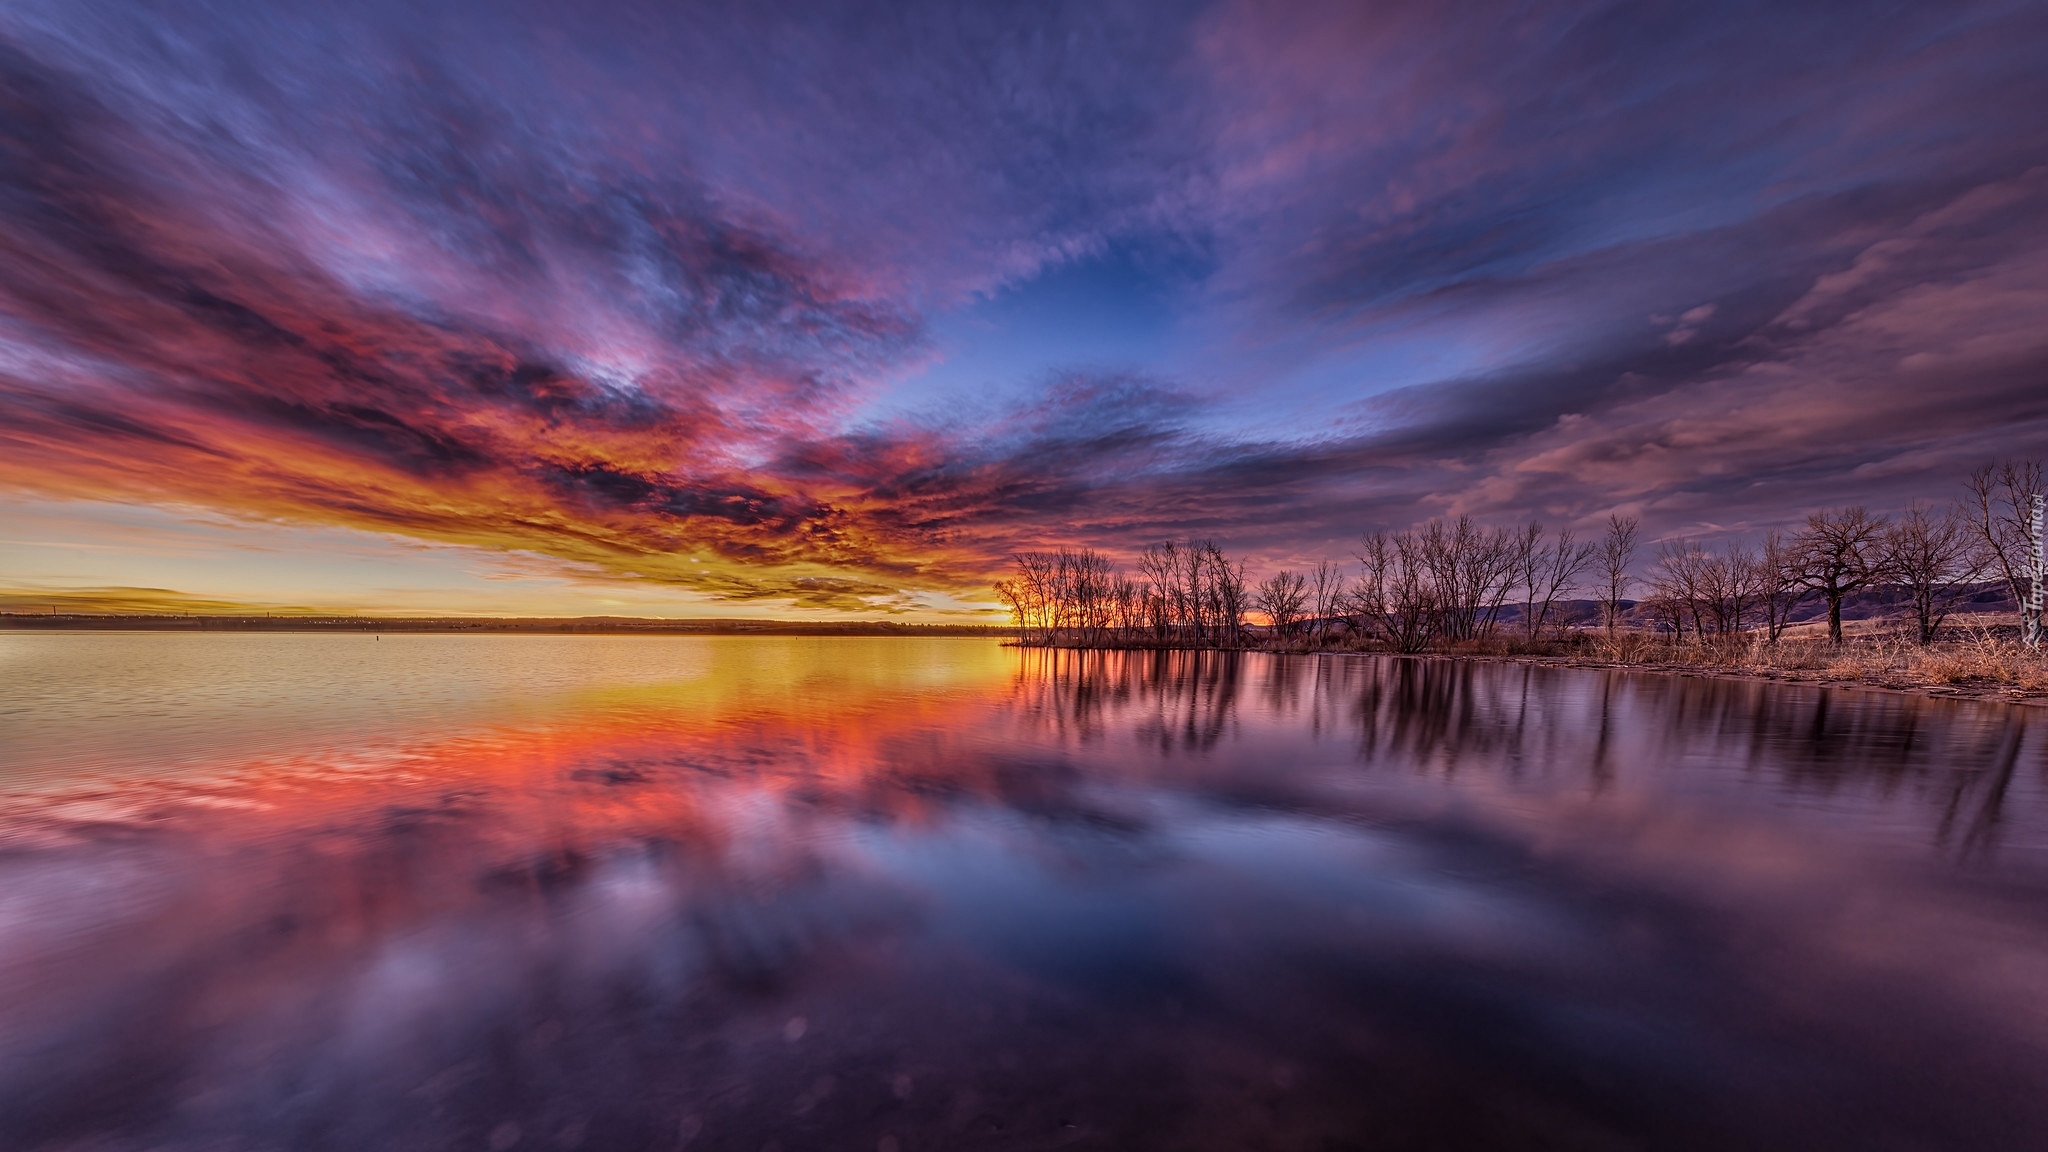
(1451, 582)
(1925, 562)
(1074, 595)
(1695, 589)
(1301, 607)
(1187, 595)
(1445, 582)
(1195, 595)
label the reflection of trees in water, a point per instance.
(1176, 700)
(1955, 761)
(1431, 714)
(1975, 812)
(1822, 741)
(1435, 716)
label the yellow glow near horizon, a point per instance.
(100, 557)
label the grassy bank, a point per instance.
(1977, 665)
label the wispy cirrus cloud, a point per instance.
(166, 355)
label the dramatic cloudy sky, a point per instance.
(643, 306)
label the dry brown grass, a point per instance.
(1988, 662)
(1630, 648)
(1974, 660)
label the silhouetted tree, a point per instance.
(1228, 596)
(1471, 571)
(1326, 587)
(1840, 552)
(1161, 566)
(1282, 597)
(1030, 595)
(1777, 577)
(1726, 588)
(1617, 550)
(1675, 585)
(1392, 601)
(1189, 593)
(1936, 560)
(1545, 571)
(2000, 507)
(1012, 597)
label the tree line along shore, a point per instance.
(1952, 584)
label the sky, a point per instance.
(823, 310)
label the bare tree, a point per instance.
(1196, 589)
(1547, 571)
(1228, 597)
(1074, 595)
(1675, 583)
(1527, 556)
(1715, 592)
(1840, 552)
(1161, 565)
(1326, 587)
(1084, 582)
(1031, 595)
(1283, 597)
(1666, 607)
(1189, 593)
(1472, 571)
(1011, 593)
(1392, 600)
(1722, 583)
(1746, 584)
(2000, 507)
(1128, 599)
(1616, 551)
(1367, 602)
(1777, 576)
(1936, 559)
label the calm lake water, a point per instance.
(550, 892)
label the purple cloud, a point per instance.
(638, 286)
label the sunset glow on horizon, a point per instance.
(823, 311)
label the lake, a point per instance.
(546, 892)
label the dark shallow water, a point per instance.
(329, 892)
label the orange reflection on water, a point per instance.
(604, 759)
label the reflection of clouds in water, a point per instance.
(1117, 891)
(399, 979)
